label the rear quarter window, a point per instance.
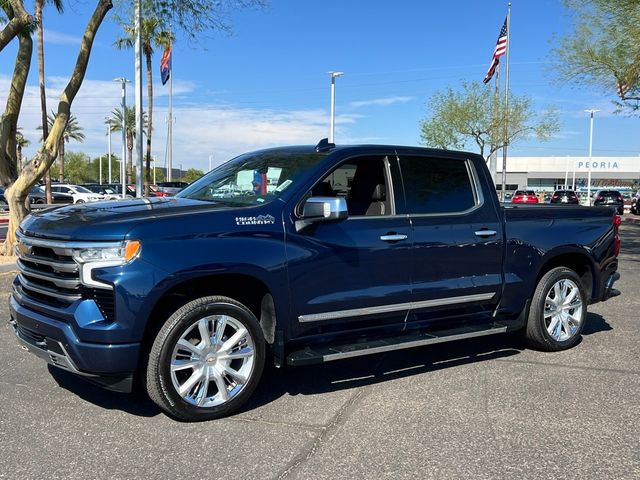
(437, 185)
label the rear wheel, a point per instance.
(558, 311)
(206, 360)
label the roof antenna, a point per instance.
(324, 145)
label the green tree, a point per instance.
(115, 124)
(78, 168)
(192, 175)
(603, 51)
(72, 131)
(457, 119)
(115, 168)
(151, 35)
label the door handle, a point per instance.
(393, 237)
(485, 233)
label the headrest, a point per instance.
(379, 193)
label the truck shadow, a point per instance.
(333, 376)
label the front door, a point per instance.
(352, 274)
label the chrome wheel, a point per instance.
(212, 361)
(563, 307)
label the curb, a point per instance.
(8, 267)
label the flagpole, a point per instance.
(506, 106)
(493, 158)
(170, 130)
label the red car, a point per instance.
(525, 196)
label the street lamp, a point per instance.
(590, 112)
(124, 82)
(333, 76)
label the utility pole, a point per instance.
(138, 87)
(108, 122)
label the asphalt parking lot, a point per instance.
(476, 409)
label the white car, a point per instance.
(79, 194)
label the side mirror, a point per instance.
(322, 209)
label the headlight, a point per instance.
(98, 257)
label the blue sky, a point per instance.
(267, 83)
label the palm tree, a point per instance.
(73, 131)
(43, 96)
(21, 142)
(151, 34)
(115, 123)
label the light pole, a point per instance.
(210, 159)
(108, 122)
(590, 112)
(333, 76)
(154, 169)
(138, 97)
(124, 82)
(100, 169)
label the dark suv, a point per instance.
(565, 196)
(609, 198)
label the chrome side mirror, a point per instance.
(322, 209)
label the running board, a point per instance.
(328, 353)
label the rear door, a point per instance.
(456, 265)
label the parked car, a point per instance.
(105, 191)
(37, 196)
(635, 204)
(169, 189)
(4, 205)
(565, 196)
(609, 198)
(356, 250)
(524, 196)
(79, 194)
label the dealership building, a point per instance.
(545, 174)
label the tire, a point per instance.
(80, 201)
(550, 331)
(39, 201)
(213, 385)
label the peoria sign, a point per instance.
(597, 165)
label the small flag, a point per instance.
(165, 65)
(501, 48)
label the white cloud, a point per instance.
(380, 102)
(199, 130)
(59, 38)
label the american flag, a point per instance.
(501, 48)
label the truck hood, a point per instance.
(108, 220)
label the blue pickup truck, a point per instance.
(295, 256)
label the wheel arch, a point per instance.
(246, 289)
(578, 261)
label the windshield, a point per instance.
(80, 189)
(252, 179)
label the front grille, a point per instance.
(49, 275)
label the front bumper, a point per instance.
(110, 365)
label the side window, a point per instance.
(436, 185)
(362, 182)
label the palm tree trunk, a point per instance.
(19, 157)
(61, 155)
(147, 51)
(43, 95)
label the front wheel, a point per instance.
(206, 360)
(558, 311)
